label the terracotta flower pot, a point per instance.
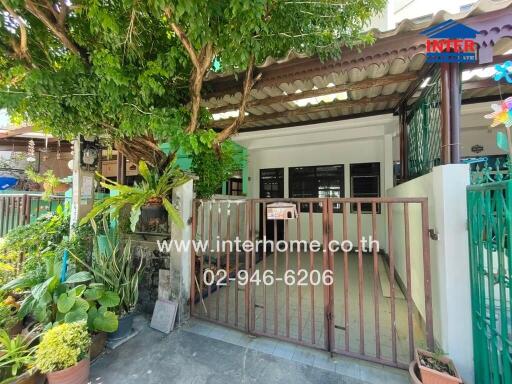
(27, 378)
(77, 374)
(414, 373)
(432, 376)
(98, 344)
(16, 329)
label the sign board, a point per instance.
(281, 211)
(164, 315)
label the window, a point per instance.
(272, 183)
(235, 186)
(365, 182)
(317, 181)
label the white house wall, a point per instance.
(346, 142)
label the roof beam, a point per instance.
(358, 85)
(16, 131)
(325, 107)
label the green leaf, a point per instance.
(81, 303)
(79, 277)
(109, 299)
(79, 290)
(65, 302)
(106, 322)
(134, 216)
(40, 289)
(144, 171)
(173, 213)
(76, 315)
(93, 293)
(91, 315)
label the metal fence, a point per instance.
(18, 209)
(489, 200)
(378, 306)
(424, 130)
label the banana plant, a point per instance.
(155, 188)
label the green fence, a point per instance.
(23, 208)
(489, 200)
(424, 130)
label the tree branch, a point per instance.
(196, 84)
(183, 38)
(201, 64)
(56, 27)
(249, 82)
(22, 51)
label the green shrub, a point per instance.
(62, 347)
(16, 354)
(35, 241)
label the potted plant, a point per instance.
(50, 182)
(63, 354)
(113, 266)
(436, 369)
(17, 358)
(150, 199)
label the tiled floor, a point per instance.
(305, 307)
(186, 356)
(352, 368)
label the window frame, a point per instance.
(317, 207)
(365, 207)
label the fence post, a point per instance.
(181, 261)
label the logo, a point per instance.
(451, 42)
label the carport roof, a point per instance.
(296, 89)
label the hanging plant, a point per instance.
(51, 183)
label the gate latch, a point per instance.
(434, 235)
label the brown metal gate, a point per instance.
(377, 306)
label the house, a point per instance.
(377, 145)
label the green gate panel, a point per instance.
(489, 201)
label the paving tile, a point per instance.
(263, 345)
(284, 350)
(304, 355)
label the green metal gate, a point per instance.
(489, 200)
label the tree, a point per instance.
(133, 71)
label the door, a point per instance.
(271, 187)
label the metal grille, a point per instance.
(424, 130)
(489, 200)
(370, 310)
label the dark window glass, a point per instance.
(272, 183)
(317, 181)
(365, 182)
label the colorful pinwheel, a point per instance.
(502, 113)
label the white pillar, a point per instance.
(454, 288)
(181, 262)
(83, 188)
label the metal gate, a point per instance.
(490, 244)
(306, 284)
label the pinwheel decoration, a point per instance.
(502, 113)
(504, 71)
